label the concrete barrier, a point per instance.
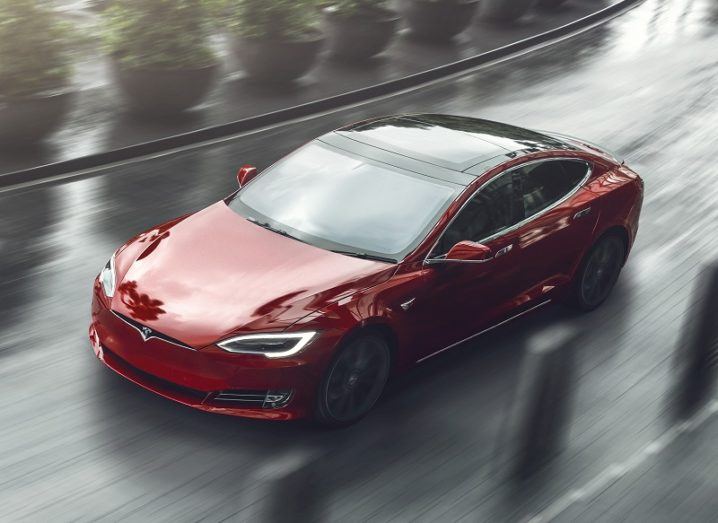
(542, 406)
(696, 356)
(291, 491)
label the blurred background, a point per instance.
(117, 115)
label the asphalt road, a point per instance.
(79, 443)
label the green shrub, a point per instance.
(357, 7)
(274, 19)
(162, 34)
(34, 47)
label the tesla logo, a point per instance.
(146, 333)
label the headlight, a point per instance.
(270, 345)
(107, 278)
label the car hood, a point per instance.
(213, 274)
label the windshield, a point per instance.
(338, 201)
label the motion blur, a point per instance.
(118, 115)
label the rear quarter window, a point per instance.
(545, 183)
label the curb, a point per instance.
(39, 173)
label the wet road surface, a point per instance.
(77, 442)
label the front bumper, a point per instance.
(204, 379)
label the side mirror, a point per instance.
(246, 174)
(469, 252)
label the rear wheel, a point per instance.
(354, 381)
(599, 272)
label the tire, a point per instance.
(599, 272)
(354, 381)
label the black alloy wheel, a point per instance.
(599, 272)
(354, 381)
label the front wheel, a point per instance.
(598, 272)
(354, 381)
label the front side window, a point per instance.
(337, 201)
(493, 209)
(545, 183)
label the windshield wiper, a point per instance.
(366, 256)
(267, 226)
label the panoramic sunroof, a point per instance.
(428, 142)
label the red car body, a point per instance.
(207, 276)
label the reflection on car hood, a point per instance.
(214, 273)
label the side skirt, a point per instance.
(485, 330)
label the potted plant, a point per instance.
(276, 41)
(505, 10)
(439, 19)
(161, 54)
(35, 71)
(359, 29)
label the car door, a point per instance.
(460, 299)
(559, 218)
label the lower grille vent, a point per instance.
(265, 399)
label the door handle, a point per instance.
(503, 251)
(582, 213)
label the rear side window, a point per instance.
(543, 184)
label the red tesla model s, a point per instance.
(364, 252)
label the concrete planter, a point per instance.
(439, 20)
(505, 10)
(164, 92)
(359, 37)
(27, 120)
(277, 61)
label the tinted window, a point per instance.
(338, 201)
(543, 184)
(489, 212)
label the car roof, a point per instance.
(452, 148)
